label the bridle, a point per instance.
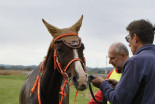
(57, 66)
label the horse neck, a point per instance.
(50, 81)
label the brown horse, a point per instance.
(64, 59)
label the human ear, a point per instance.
(136, 38)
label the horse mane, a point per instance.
(50, 47)
(48, 53)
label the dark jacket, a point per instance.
(137, 84)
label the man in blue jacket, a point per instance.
(137, 84)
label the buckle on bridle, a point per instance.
(56, 59)
(66, 76)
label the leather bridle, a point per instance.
(57, 64)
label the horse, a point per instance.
(64, 60)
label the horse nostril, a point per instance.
(75, 78)
(82, 87)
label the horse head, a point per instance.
(69, 56)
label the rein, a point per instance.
(57, 66)
(91, 77)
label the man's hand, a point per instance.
(97, 81)
(112, 82)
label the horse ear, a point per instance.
(52, 30)
(77, 25)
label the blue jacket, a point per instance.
(137, 84)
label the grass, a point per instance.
(10, 86)
(83, 97)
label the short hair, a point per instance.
(143, 29)
(121, 48)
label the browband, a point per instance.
(72, 43)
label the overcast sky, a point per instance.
(24, 40)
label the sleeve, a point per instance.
(127, 87)
(99, 94)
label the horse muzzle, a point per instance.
(80, 81)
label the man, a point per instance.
(118, 54)
(137, 83)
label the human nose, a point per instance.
(129, 45)
(110, 61)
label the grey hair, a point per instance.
(121, 48)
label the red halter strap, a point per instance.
(58, 66)
(68, 34)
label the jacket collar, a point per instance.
(145, 47)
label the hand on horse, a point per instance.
(97, 81)
(112, 82)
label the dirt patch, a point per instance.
(13, 72)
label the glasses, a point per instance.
(127, 38)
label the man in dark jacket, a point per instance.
(137, 84)
(118, 54)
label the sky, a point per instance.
(24, 40)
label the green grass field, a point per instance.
(10, 87)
